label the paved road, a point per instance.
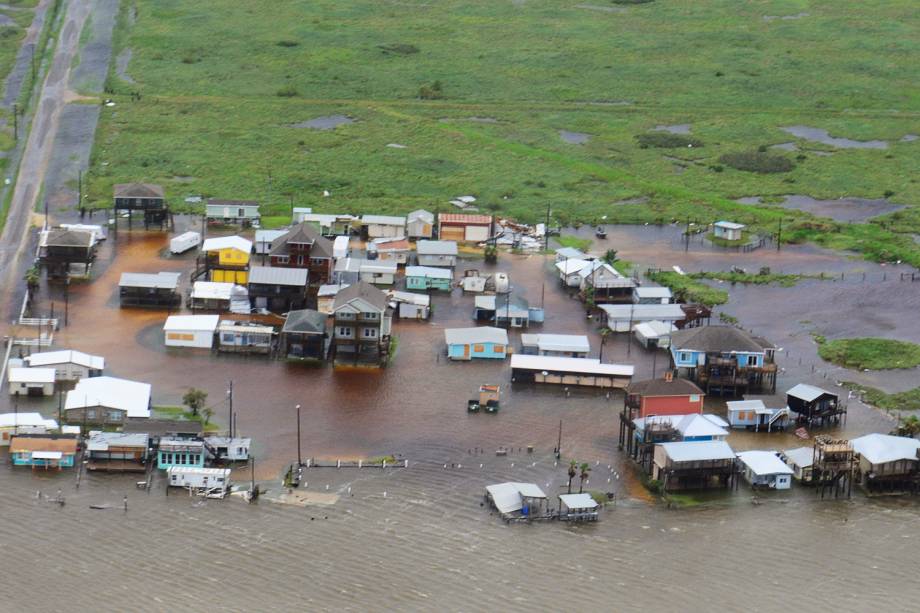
(54, 96)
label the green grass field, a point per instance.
(871, 353)
(223, 85)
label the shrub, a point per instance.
(665, 140)
(756, 161)
(288, 91)
(287, 43)
(431, 92)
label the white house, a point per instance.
(437, 253)
(383, 226)
(569, 269)
(651, 295)
(131, 397)
(12, 424)
(564, 345)
(378, 272)
(211, 480)
(621, 317)
(765, 469)
(31, 381)
(264, 239)
(243, 212)
(410, 305)
(727, 230)
(653, 334)
(190, 330)
(570, 253)
(419, 224)
(800, 460)
(68, 365)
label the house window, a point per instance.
(684, 357)
(752, 360)
(479, 348)
(91, 414)
(499, 349)
(369, 315)
(370, 332)
(227, 337)
(344, 331)
(345, 315)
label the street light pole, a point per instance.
(299, 461)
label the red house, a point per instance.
(667, 396)
(304, 247)
(464, 228)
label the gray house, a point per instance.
(238, 212)
(437, 253)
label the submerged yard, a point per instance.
(456, 98)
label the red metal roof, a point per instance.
(460, 218)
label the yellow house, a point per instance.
(228, 259)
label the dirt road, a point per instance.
(32, 170)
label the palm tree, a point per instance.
(572, 472)
(909, 426)
(194, 399)
(604, 332)
(585, 469)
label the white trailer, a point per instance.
(190, 330)
(184, 242)
(207, 481)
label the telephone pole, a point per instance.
(779, 235)
(230, 398)
(299, 460)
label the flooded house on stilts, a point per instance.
(834, 465)
(815, 407)
(888, 464)
(694, 465)
(724, 360)
(148, 198)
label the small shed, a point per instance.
(483, 342)
(383, 226)
(463, 227)
(728, 230)
(424, 278)
(419, 224)
(561, 345)
(516, 499)
(190, 330)
(800, 460)
(409, 305)
(765, 469)
(437, 253)
(184, 242)
(654, 334)
(577, 507)
(622, 317)
(265, 238)
(378, 272)
(340, 247)
(651, 295)
(31, 381)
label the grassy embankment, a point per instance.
(223, 86)
(875, 354)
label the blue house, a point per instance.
(724, 359)
(43, 451)
(424, 278)
(180, 452)
(469, 343)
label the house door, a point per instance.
(466, 352)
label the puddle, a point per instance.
(6, 21)
(329, 122)
(818, 135)
(574, 138)
(842, 209)
(785, 147)
(679, 128)
(603, 9)
(785, 17)
(909, 138)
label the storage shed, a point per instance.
(654, 334)
(464, 228)
(31, 381)
(409, 305)
(383, 226)
(419, 224)
(765, 469)
(651, 295)
(437, 253)
(190, 330)
(727, 230)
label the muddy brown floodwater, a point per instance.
(417, 538)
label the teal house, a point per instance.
(180, 452)
(424, 278)
(43, 451)
(483, 342)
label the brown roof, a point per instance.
(69, 238)
(363, 290)
(720, 339)
(663, 387)
(138, 190)
(43, 443)
(303, 233)
(464, 219)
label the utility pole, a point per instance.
(230, 397)
(546, 230)
(33, 64)
(559, 442)
(80, 192)
(779, 235)
(687, 235)
(299, 460)
(15, 121)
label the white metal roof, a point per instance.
(212, 290)
(694, 426)
(436, 247)
(239, 326)
(578, 501)
(131, 396)
(330, 290)
(691, 427)
(595, 265)
(31, 375)
(729, 225)
(695, 451)
(384, 267)
(763, 463)
(747, 405)
(587, 366)
(195, 323)
(227, 242)
(410, 297)
(483, 334)
(274, 275)
(883, 448)
(508, 497)
(571, 253)
(101, 441)
(306, 210)
(571, 266)
(429, 271)
(267, 236)
(66, 356)
(12, 420)
(160, 280)
(340, 246)
(806, 392)
(422, 215)
(194, 470)
(643, 312)
(803, 457)
(654, 329)
(383, 220)
(652, 292)
(558, 342)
